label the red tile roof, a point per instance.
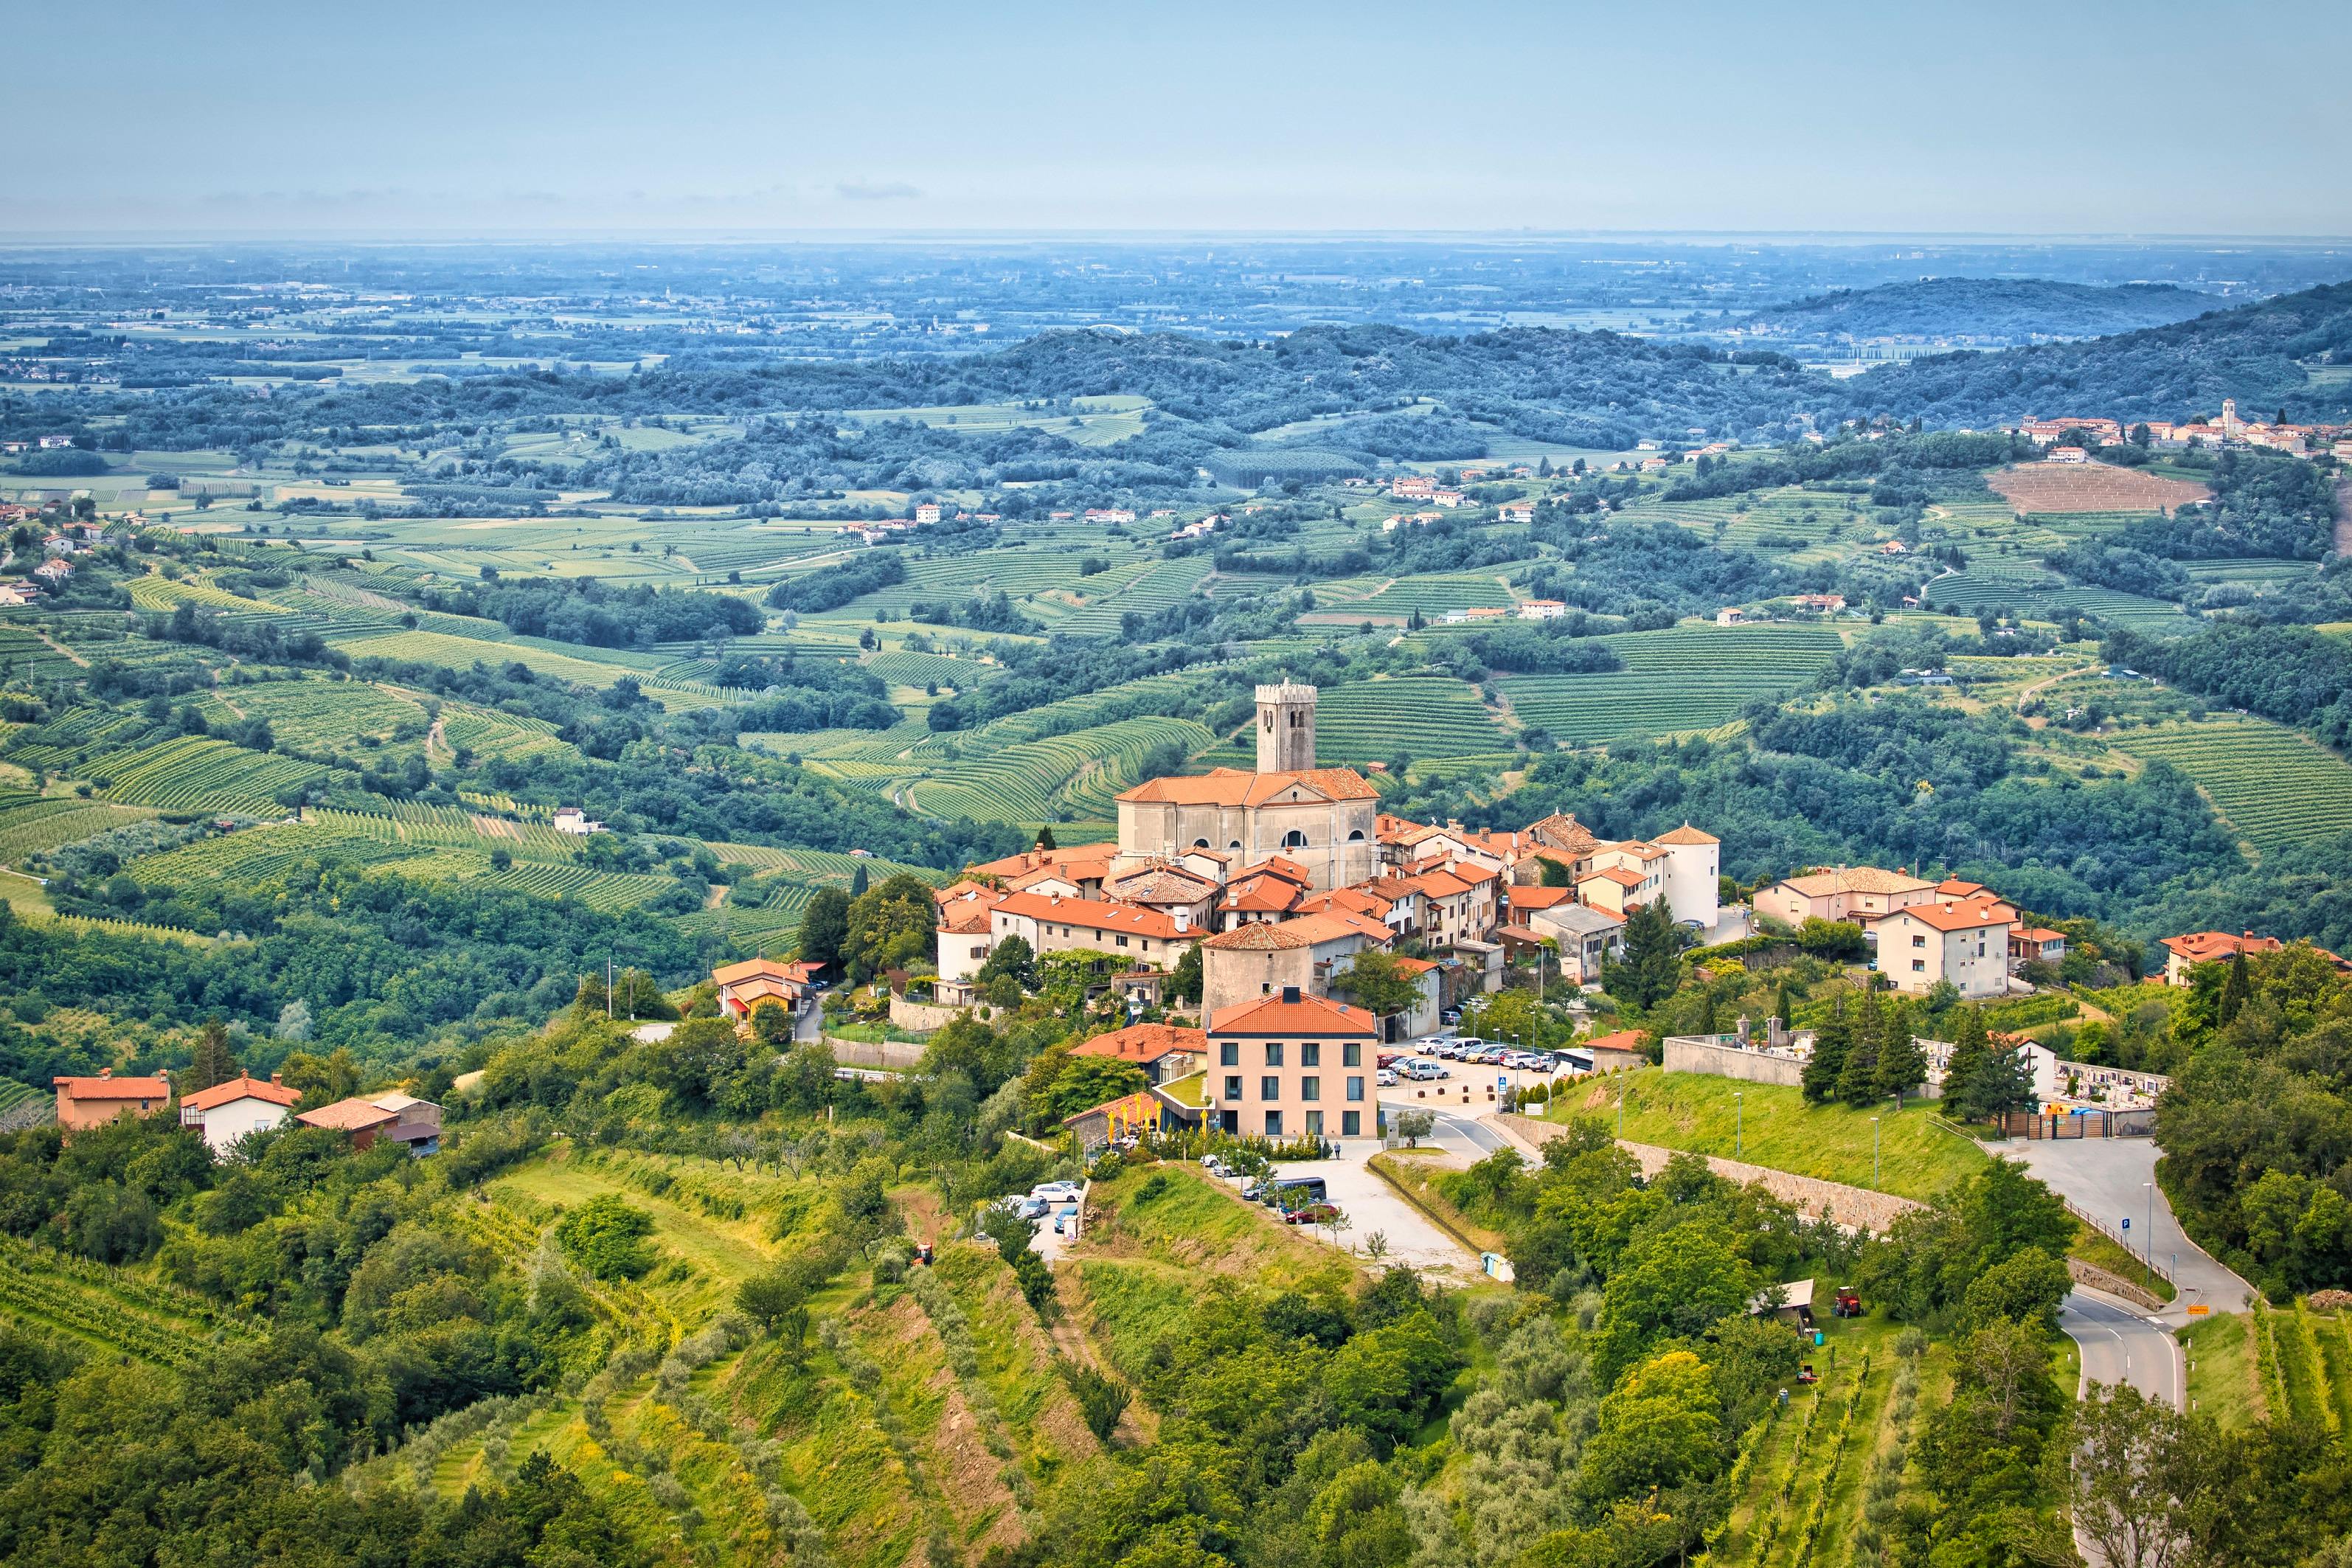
(1968, 915)
(1686, 834)
(1278, 1015)
(1033, 859)
(1621, 1040)
(2206, 946)
(1093, 914)
(1232, 786)
(348, 1115)
(106, 1086)
(1144, 1043)
(240, 1087)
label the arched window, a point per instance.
(1356, 836)
(1200, 844)
(1294, 839)
(1234, 844)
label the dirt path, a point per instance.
(85, 663)
(1139, 1424)
(2039, 687)
(437, 744)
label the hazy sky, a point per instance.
(484, 119)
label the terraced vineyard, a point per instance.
(1679, 679)
(32, 825)
(78, 734)
(1433, 594)
(2017, 592)
(112, 1309)
(193, 773)
(1022, 782)
(1425, 716)
(2276, 786)
(903, 669)
(24, 652)
(487, 733)
(1149, 589)
(319, 714)
(163, 595)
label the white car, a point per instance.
(1385, 1077)
(1055, 1192)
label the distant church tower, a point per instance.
(1286, 728)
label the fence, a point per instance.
(2079, 1124)
(2121, 1238)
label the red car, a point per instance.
(1313, 1213)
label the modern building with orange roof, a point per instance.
(1292, 1065)
(227, 1111)
(1163, 1051)
(1965, 942)
(1863, 894)
(85, 1102)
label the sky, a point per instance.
(684, 118)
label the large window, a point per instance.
(1274, 1053)
(1352, 1124)
(1274, 1123)
(1310, 1054)
(1233, 1085)
(1311, 1087)
(1351, 1055)
(1229, 1053)
(1314, 1124)
(1355, 1088)
(1294, 839)
(1269, 1089)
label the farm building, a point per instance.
(84, 1102)
(227, 1111)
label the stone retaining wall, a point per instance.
(899, 1054)
(2098, 1278)
(921, 1017)
(1858, 1208)
(1685, 1055)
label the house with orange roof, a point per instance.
(1291, 1065)
(1165, 1051)
(1049, 923)
(1964, 941)
(743, 987)
(1453, 909)
(2183, 954)
(1261, 958)
(1079, 870)
(2036, 944)
(86, 1102)
(227, 1111)
(1863, 894)
(395, 1118)
(1167, 888)
(967, 930)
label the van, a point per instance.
(1294, 1191)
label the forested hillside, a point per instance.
(1984, 309)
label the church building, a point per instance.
(1321, 819)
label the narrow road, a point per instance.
(2120, 1345)
(2114, 1179)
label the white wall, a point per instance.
(224, 1124)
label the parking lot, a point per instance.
(1460, 1074)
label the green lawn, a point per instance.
(2103, 1251)
(2222, 1381)
(1774, 1126)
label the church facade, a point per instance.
(1320, 819)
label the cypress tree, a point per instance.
(1832, 1042)
(1902, 1066)
(1971, 1057)
(215, 1062)
(2236, 991)
(1781, 1006)
(1858, 1083)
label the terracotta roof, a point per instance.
(1277, 1014)
(1032, 860)
(1856, 879)
(2205, 946)
(968, 916)
(1093, 914)
(1954, 888)
(348, 1115)
(1306, 931)
(962, 888)
(1686, 834)
(1475, 876)
(1161, 884)
(1071, 874)
(240, 1087)
(1621, 1040)
(2039, 934)
(1531, 898)
(751, 991)
(1364, 899)
(1560, 830)
(1617, 874)
(1415, 965)
(1439, 884)
(763, 969)
(1276, 865)
(106, 1086)
(1968, 915)
(1143, 1043)
(1232, 786)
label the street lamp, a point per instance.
(1874, 1154)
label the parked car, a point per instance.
(1386, 1078)
(1051, 1190)
(1032, 1209)
(1313, 1213)
(1214, 1166)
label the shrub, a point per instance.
(607, 1238)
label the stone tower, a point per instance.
(1286, 728)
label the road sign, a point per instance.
(2199, 1310)
(2126, 1222)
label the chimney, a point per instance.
(1290, 992)
(109, 1072)
(278, 1078)
(1183, 920)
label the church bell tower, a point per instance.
(1286, 728)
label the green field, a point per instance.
(193, 773)
(1682, 678)
(30, 824)
(1979, 589)
(1771, 1125)
(2274, 784)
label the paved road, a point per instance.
(1372, 1205)
(2120, 1345)
(2114, 1178)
